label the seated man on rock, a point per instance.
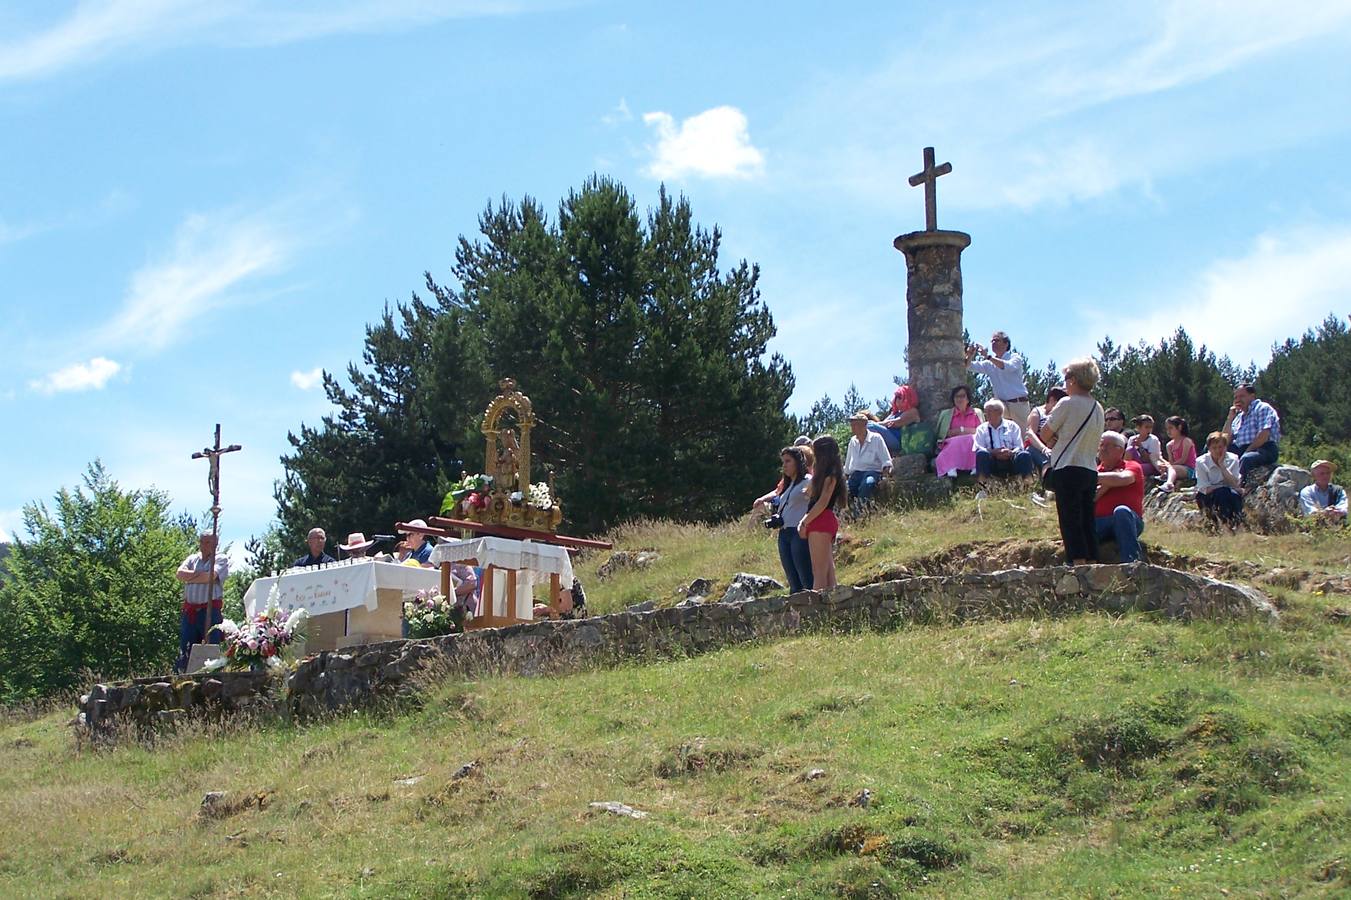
(1323, 501)
(1218, 482)
(1254, 430)
(999, 446)
(1119, 509)
(866, 461)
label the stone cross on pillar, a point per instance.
(933, 297)
(928, 177)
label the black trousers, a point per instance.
(1075, 490)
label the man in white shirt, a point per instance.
(1323, 500)
(1217, 481)
(866, 461)
(999, 446)
(1006, 371)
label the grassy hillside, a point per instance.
(1086, 756)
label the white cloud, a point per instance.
(308, 381)
(1041, 107)
(11, 520)
(713, 144)
(102, 29)
(211, 257)
(92, 375)
(1287, 282)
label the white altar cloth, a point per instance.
(336, 586)
(533, 562)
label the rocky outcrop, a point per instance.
(374, 673)
(1270, 506)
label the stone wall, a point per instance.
(373, 673)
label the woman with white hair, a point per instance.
(1073, 432)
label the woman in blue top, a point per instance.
(792, 503)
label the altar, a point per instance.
(511, 571)
(357, 601)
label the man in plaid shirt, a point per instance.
(1254, 430)
(200, 585)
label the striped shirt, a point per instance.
(1258, 417)
(195, 593)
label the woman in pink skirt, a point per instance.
(956, 435)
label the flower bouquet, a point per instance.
(431, 614)
(471, 492)
(261, 641)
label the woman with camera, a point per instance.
(788, 504)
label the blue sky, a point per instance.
(202, 202)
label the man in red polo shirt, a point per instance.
(1119, 509)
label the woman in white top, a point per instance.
(1073, 431)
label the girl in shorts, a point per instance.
(1181, 452)
(828, 493)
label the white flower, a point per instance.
(297, 619)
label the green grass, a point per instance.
(1089, 756)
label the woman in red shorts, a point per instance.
(819, 525)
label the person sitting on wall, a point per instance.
(1144, 447)
(316, 540)
(1323, 501)
(956, 431)
(1119, 511)
(1254, 430)
(999, 446)
(1181, 454)
(866, 462)
(419, 547)
(357, 546)
(1218, 481)
(571, 603)
(1040, 415)
(904, 412)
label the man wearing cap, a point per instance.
(357, 545)
(316, 557)
(1254, 430)
(1323, 500)
(1005, 369)
(203, 576)
(866, 461)
(419, 548)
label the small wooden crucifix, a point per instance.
(927, 178)
(212, 455)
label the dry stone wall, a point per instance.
(360, 676)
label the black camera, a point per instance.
(774, 521)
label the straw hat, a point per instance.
(1332, 466)
(356, 541)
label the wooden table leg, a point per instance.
(486, 606)
(555, 596)
(510, 611)
(445, 581)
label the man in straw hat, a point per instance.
(357, 545)
(1324, 500)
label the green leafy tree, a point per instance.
(91, 588)
(1173, 377)
(645, 361)
(1309, 383)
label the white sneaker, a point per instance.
(1039, 500)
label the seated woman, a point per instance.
(1181, 453)
(956, 435)
(1039, 416)
(1144, 448)
(903, 413)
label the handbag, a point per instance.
(1048, 477)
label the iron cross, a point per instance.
(927, 178)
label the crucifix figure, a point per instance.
(212, 455)
(927, 178)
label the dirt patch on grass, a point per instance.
(993, 556)
(699, 756)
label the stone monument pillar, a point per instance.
(933, 296)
